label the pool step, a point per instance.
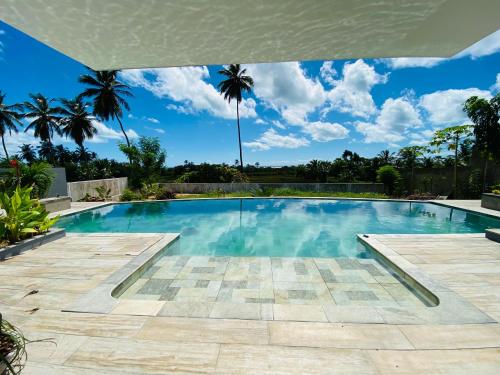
(493, 234)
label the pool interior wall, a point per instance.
(277, 227)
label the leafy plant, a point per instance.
(129, 195)
(389, 176)
(103, 193)
(12, 347)
(22, 215)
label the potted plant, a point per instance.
(12, 348)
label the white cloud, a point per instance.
(325, 131)
(412, 62)
(271, 139)
(259, 121)
(153, 120)
(278, 124)
(286, 88)
(2, 32)
(397, 118)
(158, 130)
(496, 86)
(486, 46)
(328, 72)
(351, 94)
(445, 107)
(104, 134)
(131, 116)
(421, 138)
(180, 109)
(188, 86)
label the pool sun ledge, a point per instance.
(309, 289)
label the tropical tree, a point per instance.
(28, 153)
(46, 151)
(10, 117)
(45, 120)
(409, 157)
(108, 95)
(452, 138)
(232, 87)
(386, 157)
(485, 116)
(147, 160)
(76, 122)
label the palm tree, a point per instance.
(386, 157)
(108, 95)
(76, 122)
(45, 117)
(28, 153)
(232, 88)
(10, 115)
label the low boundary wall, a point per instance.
(78, 190)
(193, 188)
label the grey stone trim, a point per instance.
(31, 243)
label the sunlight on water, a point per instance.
(276, 227)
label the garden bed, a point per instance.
(31, 243)
(491, 201)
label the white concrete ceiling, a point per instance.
(118, 34)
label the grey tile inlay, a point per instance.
(203, 270)
(155, 286)
(302, 294)
(328, 276)
(259, 300)
(202, 283)
(300, 268)
(361, 295)
(169, 294)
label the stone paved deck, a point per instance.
(114, 344)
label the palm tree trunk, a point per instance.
(5, 148)
(455, 170)
(123, 131)
(239, 135)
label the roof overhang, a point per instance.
(118, 34)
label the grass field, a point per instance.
(283, 193)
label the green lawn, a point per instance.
(282, 193)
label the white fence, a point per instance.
(78, 190)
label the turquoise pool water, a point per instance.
(276, 227)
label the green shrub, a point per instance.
(12, 347)
(475, 184)
(129, 195)
(103, 193)
(389, 176)
(22, 216)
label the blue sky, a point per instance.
(298, 111)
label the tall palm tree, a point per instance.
(76, 122)
(45, 117)
(27, 153)
(386, 157)
(232, 88)
(10, 116)
(108, 95)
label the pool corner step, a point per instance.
(493, 234)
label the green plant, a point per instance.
(23, 216)
(129, 195)
(389, 176)
(12, 347)
(103, 193)
(39, 175)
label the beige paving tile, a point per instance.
(304, 313)
(54, 348)
(453, 336)
(235, 310)
(452, 362)
(146, 357)
(330, 335)
(205, 330)
(85, 324)
(249, 359)
(133, 307)
(191, 309)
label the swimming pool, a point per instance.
(276, 227)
